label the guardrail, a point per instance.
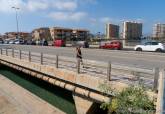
(110, 72)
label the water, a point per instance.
(60, 98)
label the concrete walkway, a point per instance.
(16, 100)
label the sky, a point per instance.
(86, 14)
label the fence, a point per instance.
(111, 72)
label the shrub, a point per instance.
(132, 100)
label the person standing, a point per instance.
(79, 55)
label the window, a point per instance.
(148, 43)
(154, 43)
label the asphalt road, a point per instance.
(129, 58)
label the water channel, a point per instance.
(60, 98)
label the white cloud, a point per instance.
(36, 5)
(6, 5)
(68, 16)
(88, 1)
(68, 5)
(110, 20)
(105, 19)
(92, 20)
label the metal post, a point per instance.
(78, 65)
(109, 71)
(56, 61)
(20, 54)
(6, 52)
(156, 77)
(41, 58)
(13, 53)
(29, 56)
(16, 14)
(1, 51)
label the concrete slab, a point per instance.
(16, 100)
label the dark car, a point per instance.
(33, 43)
(83, 44)
(1, 41)
(86, 44)
(45, 43)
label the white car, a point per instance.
(17, 42)
(150, 46)
(11, 42)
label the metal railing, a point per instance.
(111, 72)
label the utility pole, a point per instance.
(16, 12)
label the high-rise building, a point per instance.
(132, 30)
(159, 30)
(112, 31)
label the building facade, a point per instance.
(13, 35)
(112, 31)
(68, 33)
(80, 34)
(60, 33)
(54, 33)
(41, 33)
(132, 30)
(159, 30)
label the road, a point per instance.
(129, 58)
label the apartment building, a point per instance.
(41, 33)
(14, 35)
(112, 31)
(132, 30)
(60, 33)
(159, 30)
(80, 34)
(68, 33)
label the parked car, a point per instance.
(33, 43)
(1, 41)
(38, 42)
(43, 43)
(150, 46)
(27, 42)
(59, 43)
(18, 41)
(6, 41)
(11, 42)
(117, 45)
(83, 44)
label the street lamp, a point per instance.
(16, 9)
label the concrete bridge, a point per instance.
(84, 81)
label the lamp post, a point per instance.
(16, 12)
